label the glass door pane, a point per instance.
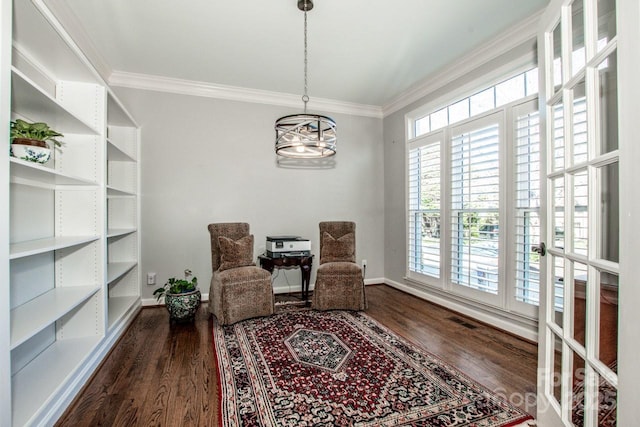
(557, 218)
(607, 403)
(556, 62)
(608, 105)
(608, 328)
(579, 302)
(609, 203)
(580, 148)
(556, 362)
(606, 22)
(558, 275)
(558, 137)
(578, 56)
(578, 390)
(580, 213)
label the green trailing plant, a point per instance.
(37, 131)
(177, 286)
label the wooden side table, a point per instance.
(302, 262)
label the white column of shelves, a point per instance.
(61, 279)
(123, 240)
(73, 246)
(56, 244)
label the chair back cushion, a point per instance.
(235, 253)
(337, 241)
(231, 230)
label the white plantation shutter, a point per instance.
(527, 205)
(475, 200)
(424, 206)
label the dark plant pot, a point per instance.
(183, 307)
(31, 150)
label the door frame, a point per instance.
(628, 23)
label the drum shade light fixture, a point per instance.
(305, 135)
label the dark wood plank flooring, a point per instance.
(162, 374)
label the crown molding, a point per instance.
(234, 93)
(514, 36)
(507, 40)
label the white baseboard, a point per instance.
(288, 289)
(521, 327)
(148, 302)
(524, 328)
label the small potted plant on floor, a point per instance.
(181, 297)
(29, 141)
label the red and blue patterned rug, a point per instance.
(311, 368)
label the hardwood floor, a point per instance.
(162, 374)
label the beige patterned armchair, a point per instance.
(339, 280)
(239, 290)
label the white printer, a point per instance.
(284, 246)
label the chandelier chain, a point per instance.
(305, 97)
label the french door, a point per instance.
(578, 60)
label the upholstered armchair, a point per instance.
(239, 290)
(339, 280)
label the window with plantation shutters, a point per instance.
(475, 203)
(424, 206)
(473, 195)
(526, 157)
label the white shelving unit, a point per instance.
(123, 240)
(73, 249)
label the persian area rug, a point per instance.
(311, 368)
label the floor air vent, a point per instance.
(462, 322)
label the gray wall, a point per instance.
(206, 160)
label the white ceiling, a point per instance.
(360, 51)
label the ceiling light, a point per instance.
(305, 135)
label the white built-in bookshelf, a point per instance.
(73, 240)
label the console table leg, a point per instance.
(306, 278)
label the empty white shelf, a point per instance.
(39, 246)
(30, 101)
(114, 152)
(42, 377)
(35, 315)
(24, 172)
(115, 270)
(115, 232)
(116, 192)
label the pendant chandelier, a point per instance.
(305, 135)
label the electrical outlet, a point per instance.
(364, 263)
(151, 278)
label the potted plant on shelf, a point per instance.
(181, 297)
(29, 141)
